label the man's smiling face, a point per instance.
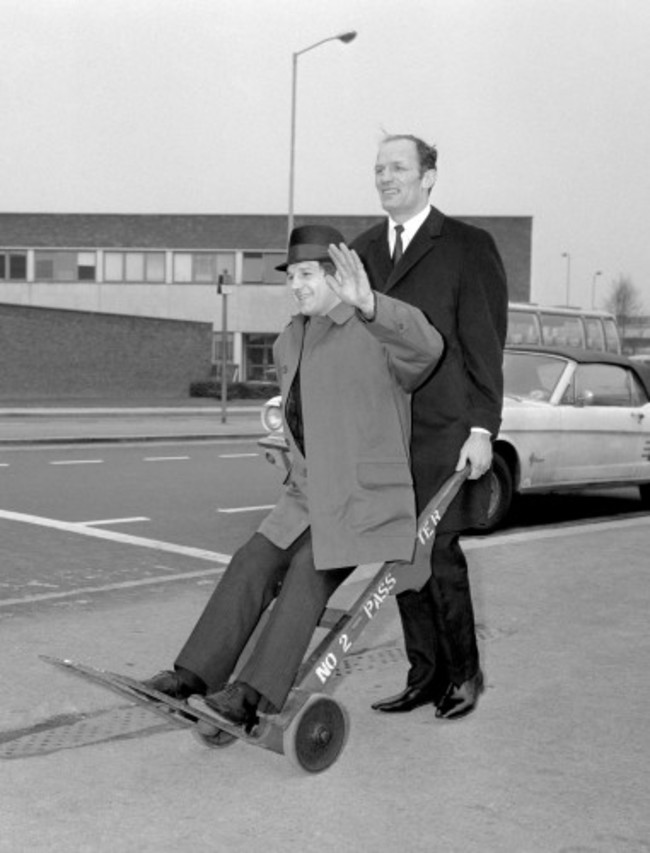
(310, 289)
(402, 186)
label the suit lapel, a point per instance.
(420, 245)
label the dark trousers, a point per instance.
(438, 621)
(259, 572)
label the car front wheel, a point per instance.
(501, 493)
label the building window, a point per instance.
(134, 266)
(13, 266)
(86, 263)
(65, 266)
(260, 366)
(203, 267)
(154, 270)
(260, 268)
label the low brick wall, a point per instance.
(51, 353)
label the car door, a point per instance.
(606, 423)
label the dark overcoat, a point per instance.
(354, 488)
(453, 272)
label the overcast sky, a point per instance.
(539, 108)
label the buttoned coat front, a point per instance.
(353, 486)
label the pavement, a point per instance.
(554, 760)
(139, 420)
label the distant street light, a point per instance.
(593, 288)
(345, 38)
(568, 276)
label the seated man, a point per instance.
(347, 363)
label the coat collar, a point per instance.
(339, 315)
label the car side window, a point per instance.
(605, 385)
(639, 395)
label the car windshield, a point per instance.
(531, 375)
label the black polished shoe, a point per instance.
(407, 700)
(175, 685)
(458, 702)
(237, 702)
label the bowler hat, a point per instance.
(310, 243)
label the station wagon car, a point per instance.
(572, 420)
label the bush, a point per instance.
(236, 390)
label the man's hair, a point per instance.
(427, 154)
(328, 267)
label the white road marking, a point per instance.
(77, 462)
(114, 536)
(363, 572)
(115, 520)
(164, 458)
(4, 464)
(109, 587)
(245, 508)
(236, 455)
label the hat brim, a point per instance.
(304, 252)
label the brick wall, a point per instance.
(55, 354)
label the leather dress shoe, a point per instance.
(407, 700)
(174, 684)
(460, 701)
(236, 702)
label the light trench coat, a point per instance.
(354, 488)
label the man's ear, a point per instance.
(429, 179)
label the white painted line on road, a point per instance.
(363, 572)
(4, 464)
(115, 520)
(109, 587)
(164, 458)
(236, 455)
(114, 536)
(245, 508)
(77, 462)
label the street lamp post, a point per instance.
(345, 38)
(568, 276)
(593, 288)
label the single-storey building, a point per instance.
(217, 269)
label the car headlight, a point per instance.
(272, 415)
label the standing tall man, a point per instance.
(452, 272)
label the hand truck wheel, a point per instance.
(317, 734)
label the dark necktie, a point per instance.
(398, 251)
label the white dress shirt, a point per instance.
(411, 226)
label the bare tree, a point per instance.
(624, 302)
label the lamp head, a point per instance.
(346, 38)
